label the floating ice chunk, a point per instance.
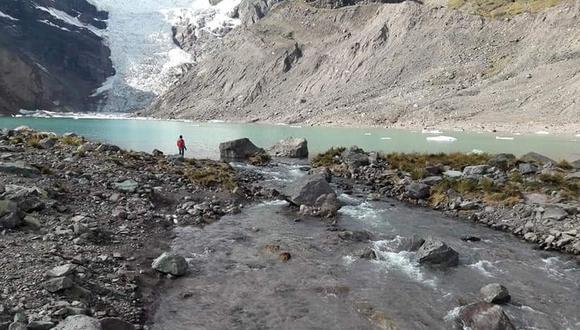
(386, 138)
(441, 138)
(542, 133)
(368, 134)
(504, 138)
(435, 131)
(477, 152)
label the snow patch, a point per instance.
(49, 23)
(68, 19)
(434, 131)
(3, 15)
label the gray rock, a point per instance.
(329, 205)
(435, 252)
(214, 2)
(534, 157)
(17, 326)
(290, 148)
(483, 316)
(576, 164)
(157, 153)
(355, 157)
(502, 161)
(63, 270)
(554, 213)
(354, 236)
(528, 168)
(10, 216)
(104, 147)
(40, 325)
(70, 135)
(251, 11)
(79, 322)
(573, 176)
(113, 323)
(418, 190)
(412, 243)
(172, 264)
(453, 174)
(127, 186)
(19, 168)
(47, 143)
(239, 150)
(495, 294)
(432, 180)
(477, 170)
(368, 254)
(308, 189)
(58, 284)
(32, 222)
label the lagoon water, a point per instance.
(204, 138)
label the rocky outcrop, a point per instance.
(52, 56)
(239, 150)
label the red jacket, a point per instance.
(181, 143)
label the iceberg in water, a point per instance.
(542, 133)
(435, 131)
(441, 138)
(504, 137)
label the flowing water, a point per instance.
(203, 138)
(235, 284)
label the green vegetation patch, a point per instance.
(327, 158)
(501, 8)
(213, 175)
(416, 162)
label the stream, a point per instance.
(235, 284)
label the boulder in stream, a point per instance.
(418, 190)
(483, 316)
(308, 190)
(435, 252)
(290, 148)
(495, 293)
(172, 264)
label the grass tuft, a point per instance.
(215, 175)
(327, 158)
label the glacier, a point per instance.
(146, 60)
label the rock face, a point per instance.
(52, 56)
(239, 150)
(495, 294)
(483, 316)
(172, 264)
(308, 190)
(290, 148)
(10, 216)
(434, 252)
(79, 322)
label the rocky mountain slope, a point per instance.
(52, 55)
(466, 64)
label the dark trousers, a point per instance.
(182, 152)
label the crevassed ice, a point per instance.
(146, 60)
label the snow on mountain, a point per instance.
(143, 53)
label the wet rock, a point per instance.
(328, 205)
(477, 170)
(534, 157)
(412, 243)
(368, 254)
(418, 190)
(554, 213)
(127, 186)
(354, 236)
(19, 168)
(47, 143)
(10, 217)
(495, 294)
(239, 150)
(58, 284)
(355, 157)
(40, 325)
(17, 326)
(290, 148)
(113, 323)
(502, 161)
(79, 322)
(483, 316)
(308, 189)
(63, 270)
(528, 168)
(435, 252)
(168, 263)
(470, 239)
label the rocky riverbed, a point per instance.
(81, 222)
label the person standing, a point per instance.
(181, 146)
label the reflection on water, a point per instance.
(203, 138)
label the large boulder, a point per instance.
(79, 322)
(528, 168)
(502, 161)
(476, 170)
(10, 216)
(355, 157)
(308, 190)
(435, 252)
(104, 147)
(19, 168)
(412, 243)
(495, 293)
(58, 284)
(554, 213)
(113, 323)
(47, 143)
(172, 264)
(239, 150)
(290, 148)
(534, 157)
(328, 205)
(483, 316)
(418, 190)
